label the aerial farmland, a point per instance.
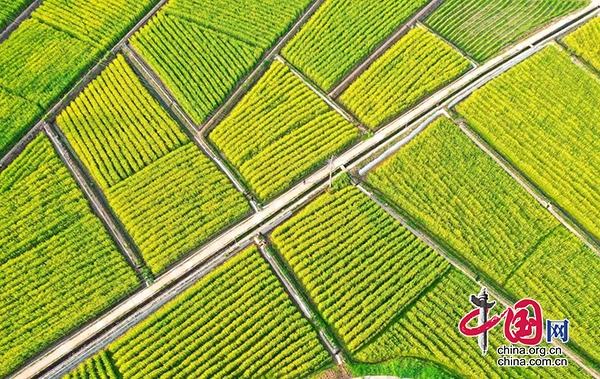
(322, 189)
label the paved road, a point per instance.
(18, 20)
(279, 206)
(94, 201)
(457, 264)
(391, 40)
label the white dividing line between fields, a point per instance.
(471, 275)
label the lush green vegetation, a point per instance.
(543, 116)
(483, 27)
(413, 68)
(281, 131)
(402, 368)
(428, 330)
(237, 322)
(358, 265)
(585, 41)
(201, 50)
(48, 52)
(455, 191)
(256, 22)
(342, 33)
(99, 366)
(170, 197)
(10, 10)
(200, 66)
(58, 266)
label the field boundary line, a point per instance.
(296, 297)
(324, 96)
(120, 327)
(244, 85)
(384, 46)
(184, 119)
(493, 289)
(280, 206)
(447, 42)
(73, 355)
(14, 24)
(564, 217)
(71, 93)
(96, 200)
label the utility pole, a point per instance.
(331, 170)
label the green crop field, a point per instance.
(201, 50)
(100, 366)
(451, 188)
(10, 9)
(170, 197)
(342, 33)
(428, 330)
(256, 22)
(280, 132)
(48, 52)
(585, 42)
(483, 27)
(181, 52)
(236, 322)
(58, 266)
(543, 116)
(413, 68)
(358, 265)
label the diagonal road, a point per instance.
(281, 208)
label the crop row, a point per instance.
(255, 22)
(10, 9)
(236, 322)
(428, 330)
(414, 67)
(170, 197)
(99, 366)
(543, 116)
(48, 52)
(343, 32)
(483, 27)
(281, 131)
(478, 212)
(585, 41)
(358, 265)
(58, 265)
(182, 52)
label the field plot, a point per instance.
(100, 366)
(201, 50)
(358, 265)
(543, 116)
(170, 197)
(50, 51)
(483, 27)
(585, 42)
(414, 67)
(456, 192)
(439, 310)
(58, 266)
(343, 32)
(236, 322)
(280, 132)
(10, 9)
